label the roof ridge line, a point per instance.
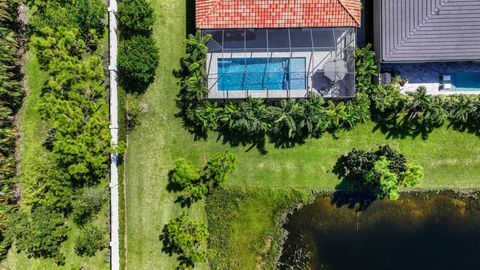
(349, 12)
(211, 9)
(415, 29)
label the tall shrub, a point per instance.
(136, 17)
(137, 61)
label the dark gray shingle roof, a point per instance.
(430, 30)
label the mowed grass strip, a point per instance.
(450, 158)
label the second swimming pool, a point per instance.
(466, 81)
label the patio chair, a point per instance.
(446, 83)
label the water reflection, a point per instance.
(420, 231)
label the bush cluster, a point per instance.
(417, 110)
(380, 173)
(286, 122)
(89, 241)
(87, 204)
(138, 55)
(39, 233)
(89, 16)
(194, 184)
(74, 105)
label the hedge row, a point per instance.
(285, 122)
(138, 54)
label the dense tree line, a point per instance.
(64, 35)
(11, 95)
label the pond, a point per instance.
(419, 231)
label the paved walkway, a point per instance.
(114, 220)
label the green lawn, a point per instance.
(243, 225)
(451, 159)
(32, 153)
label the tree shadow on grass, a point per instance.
(398, 127)
(190, 11)
(171, 250)
(134, 86)
(235, 139)
(471, 127)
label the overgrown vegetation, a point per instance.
(39, 233)
(73, 106)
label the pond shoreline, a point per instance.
(408, 219)
(421, 194)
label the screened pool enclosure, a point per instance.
(281, 63)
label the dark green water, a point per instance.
(420, 231)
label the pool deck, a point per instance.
(428, 75)
(314, 62)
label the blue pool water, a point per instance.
(466, 81)
(241, 74)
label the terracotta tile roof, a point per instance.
(219, 14)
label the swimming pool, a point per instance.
(466, 81)
(242, 74)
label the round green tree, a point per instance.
(220, 166)
(137, 61)
(185, 238)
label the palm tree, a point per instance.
(287, 118)
(463, 109)
(418, 103)
(247, 117)
(197, 49)
(424, 108)
(336, 112)
(315, 116)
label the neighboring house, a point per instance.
(426, 39)
(279, 48)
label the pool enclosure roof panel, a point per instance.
(277, 39)
(429, 30)
(328, 53)
(228, 14)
